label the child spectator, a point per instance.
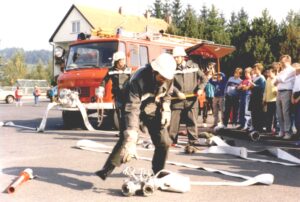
(256, 98)
(36, 94)
(232, 97)
(296, 100)
(203, 108)
(209, 92)
(285, 81)
(269, 100)
(219, 82)
(18, 96)
(245, 92)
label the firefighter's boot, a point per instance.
(105, 171)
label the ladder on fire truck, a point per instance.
(151, 36)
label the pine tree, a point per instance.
(239, 29)
(189, 25)
(291, 36)
(202, 22)
(215, 29)
(166, 9)
(264, 32)
(157, 10)
(176, 12)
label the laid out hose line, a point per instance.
(266, 179)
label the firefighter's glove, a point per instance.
(166, 115)
(129, 146)
(181, 96)
(100, 92)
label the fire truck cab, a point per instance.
(88, 61)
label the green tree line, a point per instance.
(17, 68)
(31, 57)
(261, 39)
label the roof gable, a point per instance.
(109, 20)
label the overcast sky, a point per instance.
(29, 24)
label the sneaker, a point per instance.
(287, 136)
(280, 134)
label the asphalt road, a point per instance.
(64, 173)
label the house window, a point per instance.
(75, 26)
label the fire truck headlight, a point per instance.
(59, 52)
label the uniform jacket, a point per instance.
(145, 97)
(188, 80)
(119, 80)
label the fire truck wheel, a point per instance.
(72, 119)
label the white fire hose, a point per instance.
(266, 179)
(68, 99)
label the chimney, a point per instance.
(147, 14)
(168, 19)
(121, 10)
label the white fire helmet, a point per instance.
(179, 51)
(118, 56)
(165, 65)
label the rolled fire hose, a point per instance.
(266, 179)
(253, 135)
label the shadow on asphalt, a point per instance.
(59, 176)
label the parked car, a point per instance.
(7, 95)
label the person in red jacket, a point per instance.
(18, 96)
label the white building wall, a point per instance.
(65, 34)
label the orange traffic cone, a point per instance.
(23, 177)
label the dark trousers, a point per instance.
(271, 119)
(231, 104)
(209, 101)
(203, 111)
(297, 118)
(120, 110)
(190, 117)
(257, 116)
(160, 138)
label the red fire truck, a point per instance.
(88, 61)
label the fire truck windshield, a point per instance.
(91, 55)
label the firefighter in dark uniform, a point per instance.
(148, 102)
(119, 75)
(189, 82)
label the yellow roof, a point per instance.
(110, 20)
